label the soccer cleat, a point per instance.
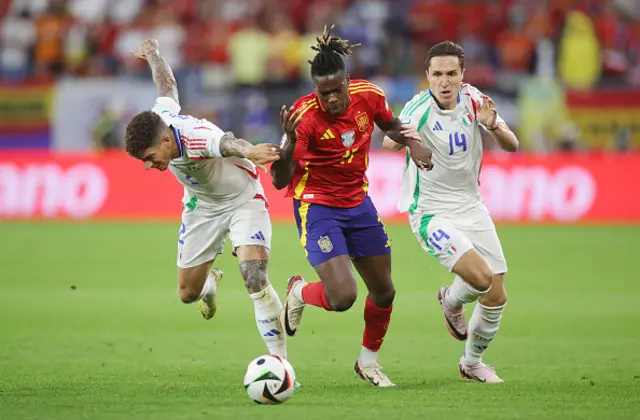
(454, 319)
(373, 374)
(480, 372)
(293, 307)
(208, 302)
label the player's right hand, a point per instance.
(263, 153)
(290, 121)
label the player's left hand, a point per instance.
(263, 153)
(147, 47)
(488, 115)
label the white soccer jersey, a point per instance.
(210, 181)
(455, 139)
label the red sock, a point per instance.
(376, 321)
(313, 294)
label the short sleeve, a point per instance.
(382, 110)
(166, 105)
(203, 140)
(304, 132)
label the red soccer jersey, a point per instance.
(332, 153)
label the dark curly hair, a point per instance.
(141, 133)
(330, 49)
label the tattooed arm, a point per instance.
(260, 154)
(232, 146)
(162, 75)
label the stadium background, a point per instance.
(75, 210)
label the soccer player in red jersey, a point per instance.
(324, 157)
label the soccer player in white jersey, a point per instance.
(222, 195)
(447, 213)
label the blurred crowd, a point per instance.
(254, 42)
(238, 61)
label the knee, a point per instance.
(187, 293)
(384, 299)
(494, 298)
(254, 273)
(342, 301)
(482, 278)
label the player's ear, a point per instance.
(348, 79)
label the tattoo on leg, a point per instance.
(254, 273)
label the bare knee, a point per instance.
(188, 293)
(190, 282)
(342, 301)
(497, 296)
(481, 278)
(254, 273)
(384, 299)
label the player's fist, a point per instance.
(263, 153)
(488, 115)
(148, 47)
(290, 121)
(421, 156)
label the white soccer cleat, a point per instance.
(479, 372)
(454, 319)
(293, 307)
(373, 374)
(208, 302)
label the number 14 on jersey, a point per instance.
(457, 140)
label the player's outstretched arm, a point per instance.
(282, 170)
(499, 130)
(398, 133)
(162, 75)
(260, 154)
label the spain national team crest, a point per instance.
(362, 120)
(325, 244)
(348, 138)
(467, 119)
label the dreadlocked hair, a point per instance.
(330, 49)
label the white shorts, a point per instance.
(202, 236)
(448, 236)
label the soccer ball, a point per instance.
(269, 380)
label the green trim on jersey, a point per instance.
(424, 234)
(416, 190)
(193, 203)
(414, 104)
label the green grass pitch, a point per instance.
(122, 346)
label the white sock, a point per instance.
(209, 285)
(461, 292)
(483, 327)
(267, 308)
(367, 357)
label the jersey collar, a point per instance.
(431, 93)
(178, 136)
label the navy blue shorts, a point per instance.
(326, 232)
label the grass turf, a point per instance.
(122, 346)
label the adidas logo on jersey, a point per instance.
(438, 126)
(259, 236)
(328, 135)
